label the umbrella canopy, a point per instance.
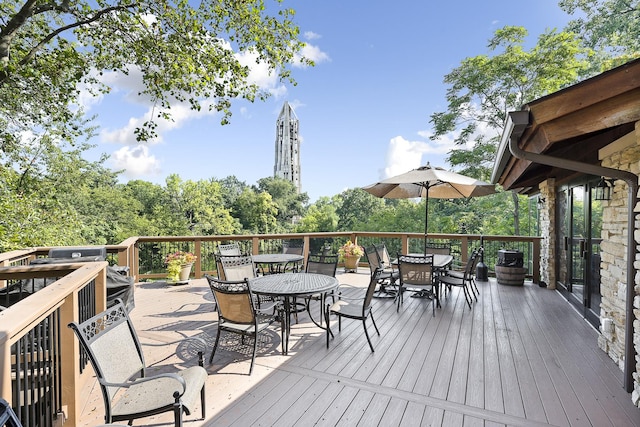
(427, 181)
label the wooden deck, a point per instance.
(521, 357)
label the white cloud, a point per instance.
(136, 161)
(403, 155)
(311, 52)
(310, 35)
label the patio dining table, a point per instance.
(290, 285)
(440, 263)
(272, 263)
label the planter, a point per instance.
(185, 271)
(351, 263)
(513, 276)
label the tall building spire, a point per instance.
(287, 165)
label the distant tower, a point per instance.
(287, 164)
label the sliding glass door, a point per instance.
(579, 218)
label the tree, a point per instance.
(483, 89)
(184, 54)
(256, 211)
(321, 216)
(609, 27)
(354, 204)
(285, 196)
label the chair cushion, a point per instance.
(346, 309)
(150, 395)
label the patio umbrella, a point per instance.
(428, 181)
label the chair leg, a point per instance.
(374, 322)
(177, 410)
(467, 297)
(255, 349)
(326, 320)
(366, 333)
(215, 346)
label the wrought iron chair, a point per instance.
(111, 342)
(7, 416)
(321, 264)
(439, 248)
(388, 276)
(237, 267)
(354, 308)
(238, 314)
(463, 279)
(229, 249)
(416, 274)
(292, 248)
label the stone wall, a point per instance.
(623, 155)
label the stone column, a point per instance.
(548, 233)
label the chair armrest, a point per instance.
(264, 308)
(176, 377)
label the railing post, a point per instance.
(198, 253)
(5, 366)
(464, 249)
(405, 244)
(70, 357)
(536, 261)
(255, 245)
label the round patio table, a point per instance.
(289, 285)
(273, 262)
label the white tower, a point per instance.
(287, 164)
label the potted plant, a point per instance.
(350, 253)
(179, 265)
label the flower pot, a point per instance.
(351, 263)
(185, 271)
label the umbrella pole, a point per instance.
(426, 220)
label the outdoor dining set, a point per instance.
(251, 292)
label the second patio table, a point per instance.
(289, 285)
(274, 261)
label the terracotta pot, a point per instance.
(351, 262)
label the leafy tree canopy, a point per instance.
(184, 52)
(485, 87)
(609, 27)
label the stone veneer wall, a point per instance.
(548, 232)
(614, 262)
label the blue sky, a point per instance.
(364, 108)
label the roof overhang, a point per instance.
(573, 124)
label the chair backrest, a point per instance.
(415, 269)
(229, 249)
(383, 255)
(234, 301)
(237, 267)
(471, 264)
(112, 346)
(292, 248)
(374, 258)
(371, 289)
(439, 248)
(322, 264)
(7, 416)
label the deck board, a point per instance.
(520, 357)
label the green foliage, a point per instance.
(484, 88)
(609, 27)
(185, 54)
(289, 203)
(321, 216)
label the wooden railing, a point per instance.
(80, 291)
(39, 356)
(151, 251)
